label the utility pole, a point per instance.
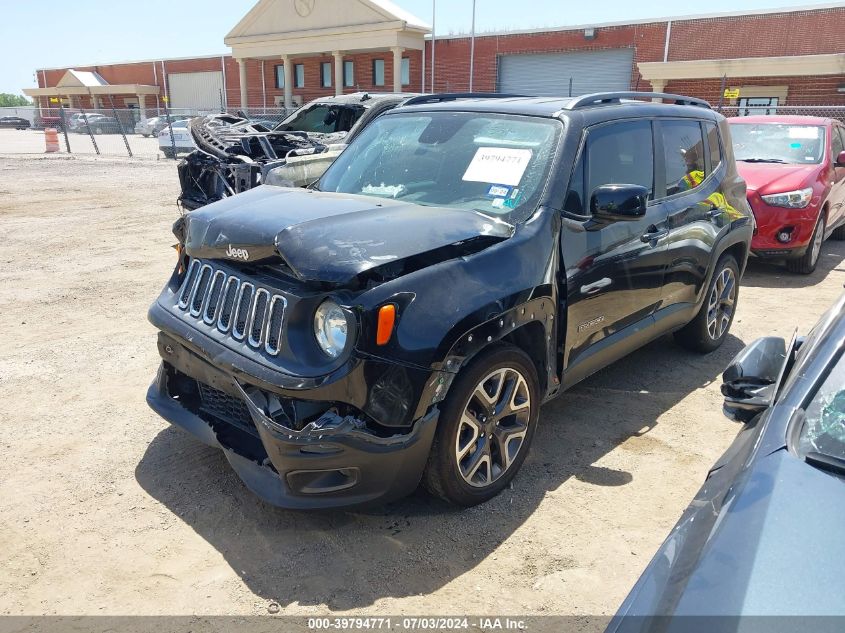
(472, 47)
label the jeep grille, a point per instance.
(233, 306)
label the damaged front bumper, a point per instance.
(333, 461)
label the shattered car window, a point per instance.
(824, 424)
(492, 163)
(322, 118)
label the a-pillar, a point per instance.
(397, 68)
(242, 76)
(338, 73)
(287, 65)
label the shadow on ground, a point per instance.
(773, 274)
(348, 560)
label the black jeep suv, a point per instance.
(465, 259)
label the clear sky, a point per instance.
(51, 33)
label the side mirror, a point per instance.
(840, 160)
(750, 382)
(619, 202)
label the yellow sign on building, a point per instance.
(731, 93)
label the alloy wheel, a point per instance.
(493, 427)
(720, 305)
(818, 238)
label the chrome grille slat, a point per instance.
(212, 300)
(201, 287)
(275, 319)
(243, 307)
(223, 301)
(227, 304)
(188, 285)
(258, 317)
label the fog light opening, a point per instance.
(785, 235)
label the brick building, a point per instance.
(293, 51)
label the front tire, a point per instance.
(486, 425)
(710, 327)
(806, 264)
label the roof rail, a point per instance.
(452, 96)
(616, 97)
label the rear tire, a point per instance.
(485, 429)
(806, 264)
(168, 153)
(710, 327)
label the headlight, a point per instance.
(330, 328)
(791, 199)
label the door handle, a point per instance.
(594, 287)
(654, 234)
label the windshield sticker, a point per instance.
(498, 191)
(804, 132)
(498, 203)
(498, 165)
(795, 145)
(513, 201)
(390, 191)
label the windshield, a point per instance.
(778, 143)
(824, 419)
(323, 118)
(491, 163)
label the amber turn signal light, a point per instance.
(386, 320)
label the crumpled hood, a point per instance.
(328, 237)
(766, 178)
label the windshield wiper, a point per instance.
(826, 462)
(761, 160)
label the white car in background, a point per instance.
(181, 143)
(154, 125)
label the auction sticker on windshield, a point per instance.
(499, 165)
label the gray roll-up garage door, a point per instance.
(200, 91)
(548, 74)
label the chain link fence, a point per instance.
(164, 134)
(829, 112)
(110, 131)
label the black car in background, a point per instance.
(763, 536)
(464, 259)
(14, 122)
(99, 124)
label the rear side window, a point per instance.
(713, 146)
(683, 148)
(836, 143)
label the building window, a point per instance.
(378, 72)
(325, 74)
(299, 75)
(348, 74)
(280, 76)
(406, 71)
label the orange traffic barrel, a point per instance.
(51, 139)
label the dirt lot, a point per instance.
(111, 145)
(105, 509)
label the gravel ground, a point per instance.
(105, 509)
(110, 145)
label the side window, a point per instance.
(714, 148)
(683, 148)
(836, 142)
(620, 154)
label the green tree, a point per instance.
(10, 100)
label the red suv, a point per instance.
(794, 167)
